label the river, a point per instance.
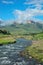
(9, 54)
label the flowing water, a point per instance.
(9, 54)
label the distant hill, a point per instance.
(27, 28)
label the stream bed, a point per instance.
(9, 54)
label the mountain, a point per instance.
(16, 28)
(30, 21)
(0, 22)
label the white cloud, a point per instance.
(28, 14)
(7, 2)
(36, 3)
(8, 22)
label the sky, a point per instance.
(21, 10)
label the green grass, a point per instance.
(20, 31)
(5, 39)
(36, 50)
(38, 36)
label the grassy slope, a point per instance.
(36, 49)
(18, 31)
(5, 39)
(38, 36)
(22, 29)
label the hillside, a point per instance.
(35, 50)
(20, 29)
(14, 31)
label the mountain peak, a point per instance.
(30, 21)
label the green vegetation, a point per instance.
(28, 31)
(38, 36)
(21, 29)
(14, 31)
(5, 39)
(4, 32)
(36, 50)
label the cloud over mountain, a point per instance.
(23, 10)
(28, 14)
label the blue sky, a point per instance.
(21, 10)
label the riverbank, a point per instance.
(9, 54)
(35, 51)
(6, 39)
